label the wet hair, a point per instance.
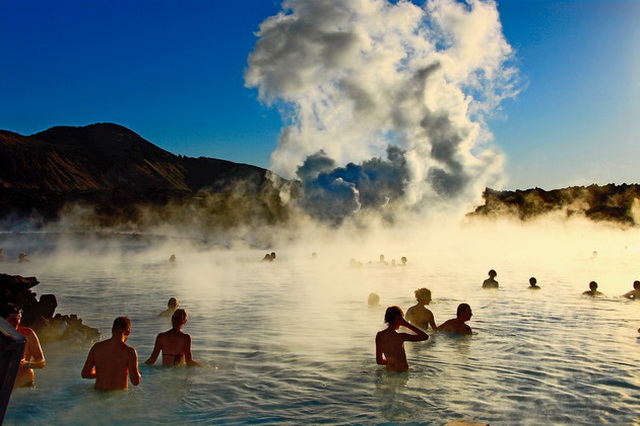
(593, 285)
(172, 303)
(462, 308)
(492, 273)
(422, 293)
(392, 313)
(636, 284)
(533, 281)
(121, 323)
(7, 309)
(178, 317)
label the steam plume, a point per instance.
(385, 102)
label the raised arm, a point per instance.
(419, 334)
(155, 352)
(132, 366)
(89, 371)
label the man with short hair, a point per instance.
(457, 325)
(111, 360)
(32, 356)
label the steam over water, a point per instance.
(293, 341)
(385, 103)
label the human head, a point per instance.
(121, 325)
(172, 303)
(178, 318)
(12, 313)
(382, 258)
(636, 285)
(464, 312)
(492, 273)
(423, 295)
(374, 299)
(403, 259)
(392, 314)
(272, 255)
(533, 281)
(172, 258)
(593, 285)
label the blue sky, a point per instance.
(172, 71)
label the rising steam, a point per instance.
(385, 102)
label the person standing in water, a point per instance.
(172, 305)
(111, 360)
(635, 293)
(32, 355)
(593, 290)
(174, 344)
(390, 344)
(457, 325)
(491, 281)
(533, 284)
(419, 315)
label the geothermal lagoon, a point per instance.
(292, 341)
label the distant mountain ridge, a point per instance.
(107, 156)
(114, 170)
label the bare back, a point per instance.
(421, 317)
(456, 326)
(175, 346)
(110, 362)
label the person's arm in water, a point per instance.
(132, 366)
(89, 371)
(34, 350)
(380, 359)
(188, 357)
(155, 352)
(419, 334)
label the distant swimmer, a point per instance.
(635, 293)
(22, 258)
(1, 255)
(373, 300)
(403, 261)
(381, 260)
(418, 315)
(390, 344)
(110, 361)
(273, 256)
(32, 355)
(491, 281)
(533, 284)
(172, 305)
(457, 325)
(172, 258)
(593, 290)
(174, 344)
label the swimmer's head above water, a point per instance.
(392, 314)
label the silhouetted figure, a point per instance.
(491, 281)
(273, 256)
(593, 290)
(373, 299)
(32, 355)
(111, 360)
(172, 258)
(390, 344)
(174, 344)
(403, 260)
(635, 293)
(22, 258)
(381, 260)
(457, 325)
(418, 315)
(172, 305)
(533, 284)
(1, 255)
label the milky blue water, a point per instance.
(292, 342)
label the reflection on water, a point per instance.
(293, 341)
